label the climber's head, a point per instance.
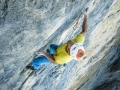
(75, 50)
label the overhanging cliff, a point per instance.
(29, 25)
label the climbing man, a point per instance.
(73, 49)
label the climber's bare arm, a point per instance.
(49, 57)
(85, 24)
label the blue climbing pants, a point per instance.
(42, 60)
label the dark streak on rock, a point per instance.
(113, 85)
(115, 66)
(4, 9)
(20, 88)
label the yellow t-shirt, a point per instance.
(61, 56)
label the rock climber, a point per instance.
(73, 49)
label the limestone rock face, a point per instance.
(29, 25)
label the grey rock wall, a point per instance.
(29, 25)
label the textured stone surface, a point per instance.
(28, 25)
